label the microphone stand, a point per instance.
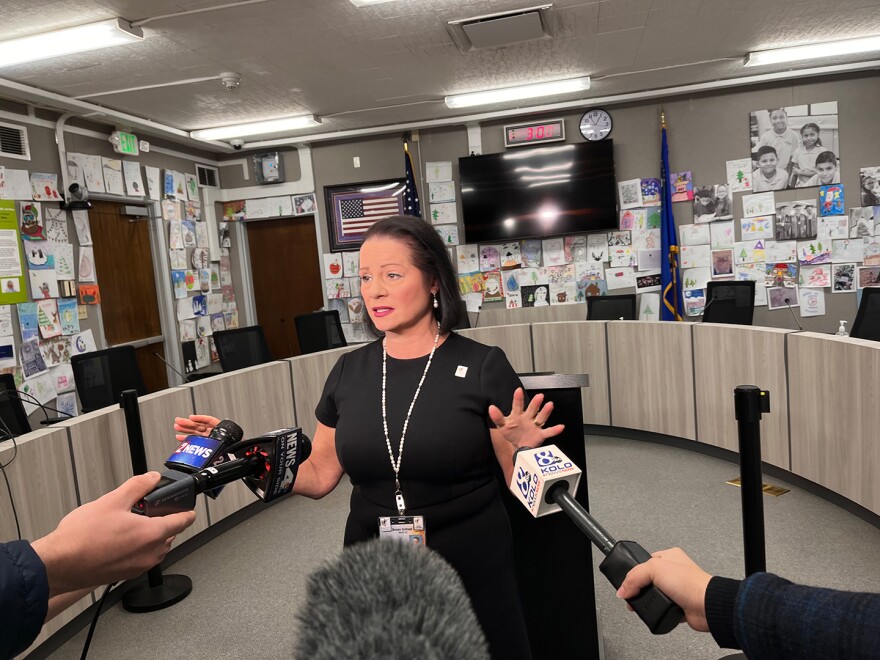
(159, 591)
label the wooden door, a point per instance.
(129, 303)
(286, 271)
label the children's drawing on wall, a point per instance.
(704, 204)
(847, 249)
(650, 192)
(201, 234)
(188, 230)
(833, 226)
(597, 248)
(782, 297)
(620, 278)
(492, 291)
(513, 300)
(682, 186)
(647, 282)
(535, 296)
(39, 256)
(112, 170)
(815, 276)
(869, 185)
(693, 235)
(563, 294)
(814, 252)
(470, 283)
(510, 281)
(467, 258)
(89, 294)
(645, 239)
(44, 187)
(868, 276)
(134, 185)
(812, 302)
(511, 256)
(781, 251)
(722, 235)
(861, 222)
(83, 229)
(200, 259)
(178, 281)
(694, 301)
(781, 274)
(304, 204)
(630, 193)
(187, 330)
(615, 239)
(32, 222)
(871, 252)
(831, 200)
(575, 249)
(490, 257)
(192, 211)
(47, 319)
(530, 252)
(843, 278)
(795, 146)
(739, 175)
(86, 264)
(695, 256)
(554, 254)
(757, 228)
(177, 259)
(449, 234)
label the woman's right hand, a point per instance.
(194, 425)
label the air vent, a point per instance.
(209, 177)
(14, 141)
(503, 29)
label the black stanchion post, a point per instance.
(160, 591)
(749, 403)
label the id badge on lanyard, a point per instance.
(409, 529)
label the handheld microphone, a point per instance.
(544, 480)
(390, 600)
(198, 452)
(787, 300)
(268, 465)
(171, 366)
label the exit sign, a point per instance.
(124, 143)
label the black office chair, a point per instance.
(13, 418)
(867, 323)
(101, 376)
(612, 308)
(319, 331)
(242, 347)
(729, 302)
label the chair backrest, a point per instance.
(13, 418)
(240, 348)
(612, 308)
(319, 331)
(101, 376)
(734, 302)
(867, 323)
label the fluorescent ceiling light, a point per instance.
(516, 93)
(114, 32)
(813, 51)
(256, 128)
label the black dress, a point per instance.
(448, 471)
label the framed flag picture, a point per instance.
(352, 209)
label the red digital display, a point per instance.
(531, 133)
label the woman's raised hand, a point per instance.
(524, 426)
(194, 425)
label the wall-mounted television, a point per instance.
(547, 191)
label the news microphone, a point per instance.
(268, 464)
(390, 600)
(543, 480)
(787, 300)
(197, 452)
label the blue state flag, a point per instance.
(410, 193)
(670, 283)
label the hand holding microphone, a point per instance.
(544, 480)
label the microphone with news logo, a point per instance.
(197, 452)
(544, 480)
(389, 600)
(268, 465)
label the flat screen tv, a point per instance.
(547, 191)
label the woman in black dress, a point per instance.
(418, 414)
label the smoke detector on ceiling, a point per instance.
(230, 80)
(503, 28)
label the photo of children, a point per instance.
(869, 188)
(704, 204)
(796, 141)
(861, 222)
(723, 206)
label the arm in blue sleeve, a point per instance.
(774, 618)
(24, 597)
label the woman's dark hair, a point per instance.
(813, 127)
(429, 255)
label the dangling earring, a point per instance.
(436, 304)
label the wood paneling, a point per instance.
(41, 479)
(577, 347)
(833, 385)
(153, 370)
(496, 315)
(309, 373)
(287, 280)
(100, 451)
(124, 266)
(514, 340)
(258, 399)
(652, 377)
(726, 356)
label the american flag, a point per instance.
(357, 215)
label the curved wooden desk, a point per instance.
(675, 379)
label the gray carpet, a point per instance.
(248, 581)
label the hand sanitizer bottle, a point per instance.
(841, 331)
